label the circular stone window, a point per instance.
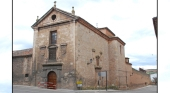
(53, 17)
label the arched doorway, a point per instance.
(52, 80)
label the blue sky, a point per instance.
(131, 20)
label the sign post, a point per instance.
(103, 74)
(106, 80)
(79, 84)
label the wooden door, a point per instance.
(52, 80)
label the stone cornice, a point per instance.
(53, 63)
(97, 31)
(30, 55)
(56, 23)
(49, 11)
(118, 39)
(108, 30)
(128, 63)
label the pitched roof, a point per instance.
(25, 52)
(108, 30)
(82, 21)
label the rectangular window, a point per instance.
(53, 35)
(26, 75)
(120, 49)
(97, 60)
(52, 53)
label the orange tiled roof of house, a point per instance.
(25, 52)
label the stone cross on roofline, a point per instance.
(54, 4)
(73, 12)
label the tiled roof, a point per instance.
(25, 52)
(107, 29)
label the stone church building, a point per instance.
(68, 51)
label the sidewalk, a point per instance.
(69, 90)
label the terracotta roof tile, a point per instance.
(24, 52)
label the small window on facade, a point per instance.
(26, 75)
(53, 37)
(120, 49)
(52, 53)
(53, 17)
(97, 60)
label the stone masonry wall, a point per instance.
(129, 73)
(64, 36)
(48, 20)
(88, 46)
(117, 63)
(22, 66)
(65, 46)
(139, 79)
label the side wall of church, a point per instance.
(90, 45)
(21, 67)
(117, 63)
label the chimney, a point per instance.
(54, 4)
(127, 59)
(37, 18)
(73, 12)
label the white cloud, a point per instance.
(21, 38)
(6, 47)
(163, 45)
(130, 20)
(6, 66)
(143, 46)
(6, 42)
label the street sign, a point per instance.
(79, 82)
(103, 74)
(79, 85)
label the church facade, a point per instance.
(69, 52)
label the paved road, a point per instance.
(31, 89)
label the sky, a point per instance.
(131, 20)
(6, 47)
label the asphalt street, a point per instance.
(32, 89)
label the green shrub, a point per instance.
(113, 87)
